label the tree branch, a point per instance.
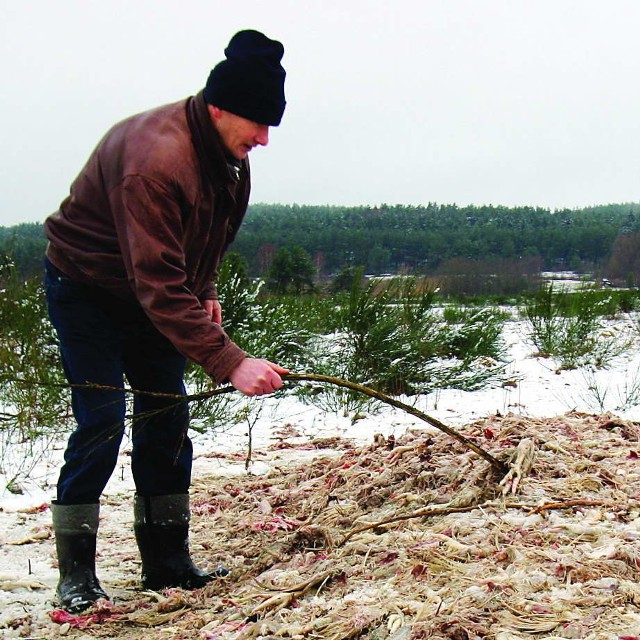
(499, 466)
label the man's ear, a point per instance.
(214, 112)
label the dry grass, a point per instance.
(418, 539)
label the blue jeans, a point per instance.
(104, 339)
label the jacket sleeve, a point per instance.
(211, 292)
(148, 223)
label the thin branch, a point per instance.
(426, 512)
(569, 504)
(499, 466)
(421, 513)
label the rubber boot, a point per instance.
(76, 527)
(161, 525)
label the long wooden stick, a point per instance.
(499, 466)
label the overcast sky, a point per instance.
(532, 102)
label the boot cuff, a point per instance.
(73, 519)
(170, 510)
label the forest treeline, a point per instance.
(424, 239)
(436, 239)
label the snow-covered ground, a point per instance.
(535, 387)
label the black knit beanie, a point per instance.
(250, 82)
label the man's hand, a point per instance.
(255, 376)
(214, 309)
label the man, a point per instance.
(130, 270)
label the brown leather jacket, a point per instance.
(149, 218)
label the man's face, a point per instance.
(238, 134)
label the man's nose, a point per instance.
(262, 135)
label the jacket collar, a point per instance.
(208, 144)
